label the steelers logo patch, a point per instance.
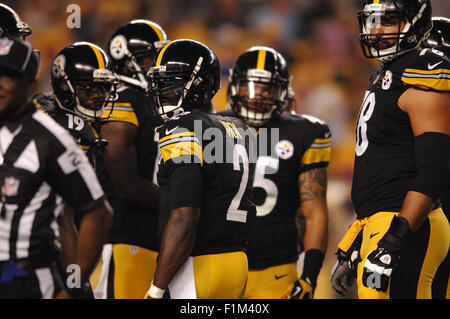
(387, 80)
(118, 47)
(284, 149)
(58, 65)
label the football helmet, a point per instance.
(82, 80)
(439, 35)
(133, 48)
(404, 25)
(11, 24)
(186, 75)
(258, 88)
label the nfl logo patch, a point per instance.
(11, 186)
(387, 80)
(5, 46)
(284, 149)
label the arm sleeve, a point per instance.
(317, 146)
(179, 145)
(430, 70)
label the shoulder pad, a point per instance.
(428, 69)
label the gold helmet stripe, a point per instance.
(99, 55)
(261, 59)
(157, 31)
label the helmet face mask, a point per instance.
(81, 86)
(258, 94)
(186, 76)
(389, 28)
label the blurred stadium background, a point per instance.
(318, 37)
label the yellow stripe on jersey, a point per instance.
(261, 59)
(168, 137)
(177, 149)
(161, 53)
(438, 79)
(318, 152)
(93, 130)
(98, 54)
(122, 112)
(38, 106)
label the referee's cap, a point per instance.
(19, 57)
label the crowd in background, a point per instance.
(319, 38)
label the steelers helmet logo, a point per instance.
(284, 149)
(118, 47)
(58, 65)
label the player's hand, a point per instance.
(344, 271)
(378, 268)
(381, 262)
(301, 289)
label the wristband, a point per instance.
(397, 235)
(156, 292)
(311, 265)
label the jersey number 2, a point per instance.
(234, 213)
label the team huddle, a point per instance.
(125, 164)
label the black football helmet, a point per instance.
(185, 76)
(439, 36)
(258, 88)
(130, 44)
(412, 19)
(11, 24)
(82, 80)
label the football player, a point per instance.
(401, 235)
(439, 38)
(129, 258)
(82, 84)
(205, 176)
(290, 179)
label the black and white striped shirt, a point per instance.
(40, 167)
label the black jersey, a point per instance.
(40, 167)
(295, 144)
(133, 224)
(220, 146)
(384, 162)
(86, 133)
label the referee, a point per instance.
(41, 167)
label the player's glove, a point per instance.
(382, 261)
(344, 271)
(302, 289)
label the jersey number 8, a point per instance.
(362, 142)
